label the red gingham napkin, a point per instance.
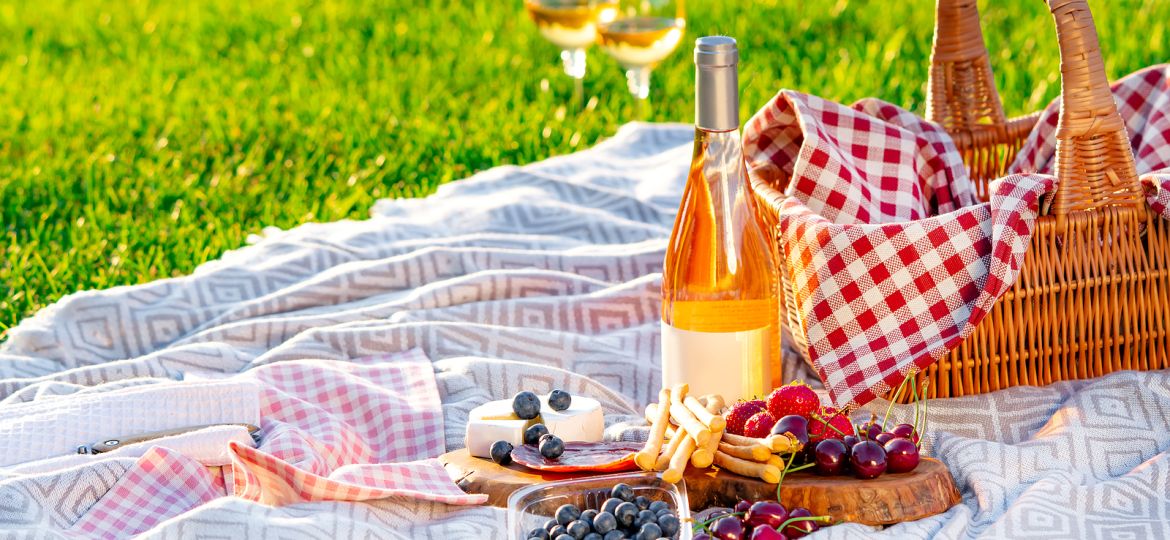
(890, 260)
(348, 431)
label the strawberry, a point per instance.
(839, 421)
(794, 398)
(739, 413)
(759, 425)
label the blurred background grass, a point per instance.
(139, 139)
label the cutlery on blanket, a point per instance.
(107, 445)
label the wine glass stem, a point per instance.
(638, 80)
(574, 60)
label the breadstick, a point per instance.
(685, 419)
(777, 461)
(782, 443)
(714, 403)
(678, 461)
(763, 471)
(663, 459)
(645, 457)
(740, 440)
(714, 422)
(755, 452)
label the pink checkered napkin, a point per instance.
(890, 260)
(347, 431)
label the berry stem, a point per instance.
(818, 519)
(699, 527)
(780, 482)
(897, 394)
(917, 406)
(925, 402)
(824, 421)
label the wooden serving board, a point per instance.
(887, 499)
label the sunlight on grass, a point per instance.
(140, 139)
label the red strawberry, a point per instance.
(759, 425)
(739, 413)
(794, 398)
(839, 420)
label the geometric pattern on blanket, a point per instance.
(569, 299)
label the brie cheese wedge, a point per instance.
(494, 421)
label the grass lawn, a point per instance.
(139, 139)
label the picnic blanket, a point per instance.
(519, 278)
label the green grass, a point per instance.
(140, 139)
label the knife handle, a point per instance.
(114, 443)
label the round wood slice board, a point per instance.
(887, 499)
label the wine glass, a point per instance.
(572, 26)
(643, 33)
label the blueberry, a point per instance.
(578, 529)
(534, 432)
(642, 502)
(538, 534)
(626, 513)
(559, 400)
(593, 536)
(622, 491)
(644, 517)
(502, 452)
(567, 513)
(557, 531)
(649, 531)
(613, 535)
(564, 537)
(551, 446)
(526, 405)
(658, 506)
(610, 505)
(669, 524)
(605, 522)
(588, 516)
(548, 525)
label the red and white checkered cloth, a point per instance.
(891, 259)
(339, 431)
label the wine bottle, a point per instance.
(719, 303)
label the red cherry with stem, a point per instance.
(728, 528)
(830, 457)
(767, 533)
(766, 514)
(794, 424)
(868, 459)
(870, 430)
(905, 431)
(797, 528)
(742, 507)
(850, 440)
(901, 456)
(884, 437)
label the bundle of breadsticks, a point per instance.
(685, 429)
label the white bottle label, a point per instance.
(724, 363)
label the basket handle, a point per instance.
(961, 91)
(1094, 161)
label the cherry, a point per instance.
(795, 424)
(830, 457)
(766, 514)
(868, 459)
(767, 533)
(850, 440)
(702, 536)
(798, 529)
(902, 455)
(870, 430)
(742, 507)
(728, 528)
(884, 437)
(905, 431)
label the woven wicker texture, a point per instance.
(1093, 295)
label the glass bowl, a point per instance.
(530, 507)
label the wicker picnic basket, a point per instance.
(1093, 295)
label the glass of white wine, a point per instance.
(643, 33)
(572, 26)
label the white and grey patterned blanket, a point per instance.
(527, 278)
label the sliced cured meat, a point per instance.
(581, 457)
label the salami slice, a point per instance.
(581, 457)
